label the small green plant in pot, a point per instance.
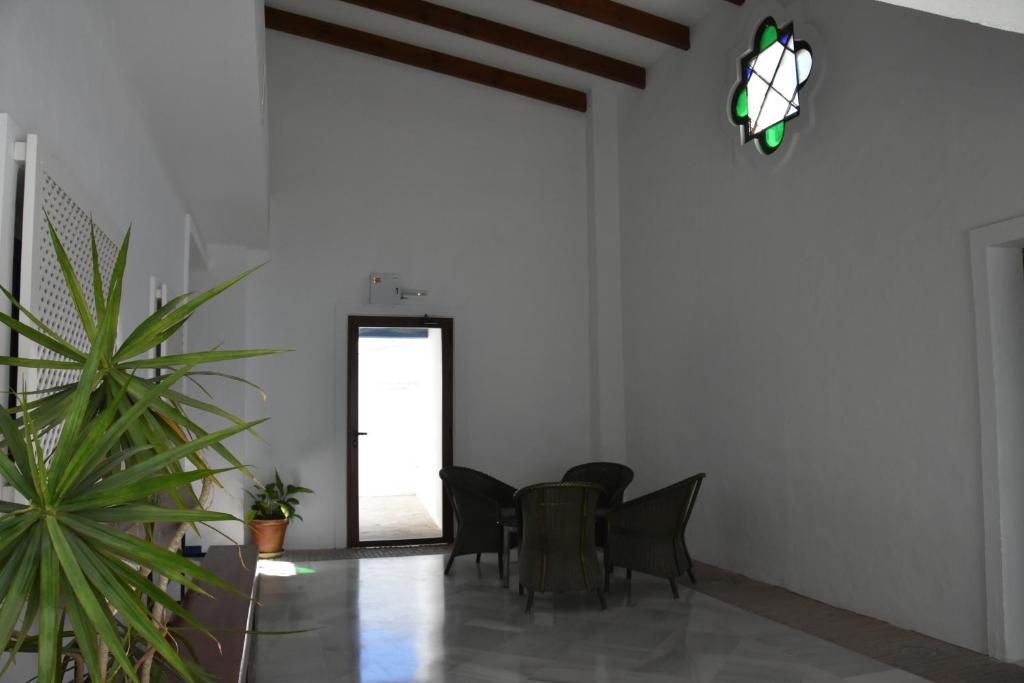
(273, 507)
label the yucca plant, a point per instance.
(86, 561)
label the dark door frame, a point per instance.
(352, 432)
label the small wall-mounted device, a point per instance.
(386, 288)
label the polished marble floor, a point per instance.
(394, 518)
(392, 620)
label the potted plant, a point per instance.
(88, 553)
(273, 507)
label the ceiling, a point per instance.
(198, 69)
(1003, 14)
(523, 14)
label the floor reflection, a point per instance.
(398, 645)
(391, 620)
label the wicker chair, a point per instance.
(477, 499)
(556, 547)
(647, 533)
(613, 477)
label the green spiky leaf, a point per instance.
(128, 452)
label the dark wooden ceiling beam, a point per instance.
(413, 55)
(510, 38)
(628, 19)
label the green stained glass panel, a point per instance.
(768, 36)
(742, 109)
(773, 136)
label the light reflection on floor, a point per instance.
(281, 568)
(392, 620)
(397, 645)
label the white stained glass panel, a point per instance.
(785, 82)
(757, 90)
(772, 111)
(766, 63)
(804, 61)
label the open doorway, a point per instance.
(399, 428)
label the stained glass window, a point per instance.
(771, 76)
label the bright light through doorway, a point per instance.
(400, 411)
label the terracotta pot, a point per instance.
(268, 535)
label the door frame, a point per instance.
(446, 325)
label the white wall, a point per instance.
(802, 330)
(220, 322)
(196, 68)
(475, 194)
(61, 76)
(604, 249)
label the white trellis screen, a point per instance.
(50, 193)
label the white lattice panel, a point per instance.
(43, 288)
(53, 299)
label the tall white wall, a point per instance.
(472, 193)
(607, 372)
(63, 77)
(220, 323)
(802, 330)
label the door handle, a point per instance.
(355, 438)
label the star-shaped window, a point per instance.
(771, 76)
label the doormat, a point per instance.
(328, 554)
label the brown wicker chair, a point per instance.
(556, 546)
(613, 477)
(477, 499)
(647, 533)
